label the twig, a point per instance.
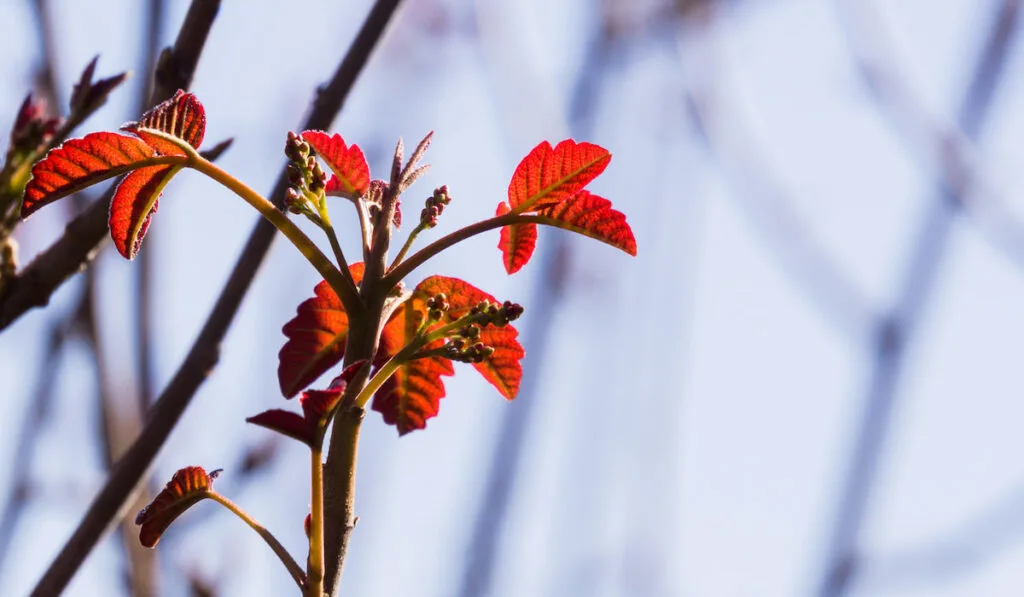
(898, 327)
(129, 471)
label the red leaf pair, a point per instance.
(80, 163)
(549, 182)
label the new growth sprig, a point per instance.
(394, 345)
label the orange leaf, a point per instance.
(351, 173)
(517, 242)
(502, 369)
(316, 338)
(134, 204)
(80, 163)
(188, 486)
(547, 175)
(593, 216)
(413, 394)
(181, 116)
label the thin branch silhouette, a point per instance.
(898, 327)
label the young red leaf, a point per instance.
(316, 338)
(181, 116)
(547, 175)
(80, 163)
(413, 394)
(134, 204)
(351, 173)
(503, 368)
(188, 486)
(286, 423)
(517, 242)
(593, 216)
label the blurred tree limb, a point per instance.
(898, 327)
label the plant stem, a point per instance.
(315, 574)
(332, 236)
(399, 271)
(341, 473)
(403, 356)
(341, 285)
(275, 545)
(408, 245)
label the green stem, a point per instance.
(408, 244)
(275, 545)
(332, 236)
(403, 356)
(316, 527)
(398, 272)
(341, 285)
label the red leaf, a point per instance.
(517, 242)
(413, 394)
(134, 204)
(286, 423)
(351, 173)
(181, 116)
(318, 405)
(502, 369)
(593, 216)
(316, 338)
(549, 175)
(79, 163)
(188, 486)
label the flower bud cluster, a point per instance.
(437, 306)
(434, 207)
(306, 179)
(495, 314)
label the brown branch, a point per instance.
(128, 473)
(898, 327)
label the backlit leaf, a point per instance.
(316, 338)
(134, 204)
(503, 368)
(549, 175)
(517, 242)
(413, 394)
(351, 173)
(181, 116)
(286, 423)
(593, 216)
(80, 163)
(188, 486)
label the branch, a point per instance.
(898, 327)
(128, 473)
